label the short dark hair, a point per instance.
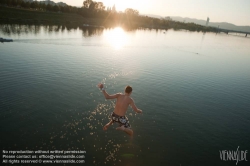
(128, 89)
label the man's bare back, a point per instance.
(122, 103)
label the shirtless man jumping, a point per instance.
(122, 103)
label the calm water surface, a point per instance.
(193, 88)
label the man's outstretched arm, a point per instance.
(106, 95)
(132, 104)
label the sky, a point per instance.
(232, 11)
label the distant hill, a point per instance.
(223, 25)
(152, 15)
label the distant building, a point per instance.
(113, 9)
(207, 21)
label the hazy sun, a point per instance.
(116, 37)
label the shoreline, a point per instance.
(10, 15)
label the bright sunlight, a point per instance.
(116, 37)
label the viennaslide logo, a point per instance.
(230, 155)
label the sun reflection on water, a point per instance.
(116, 37)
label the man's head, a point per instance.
(128, 89)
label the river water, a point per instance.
(193, 89)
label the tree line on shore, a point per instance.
(89, 9)
(92, 9)
(36, 5)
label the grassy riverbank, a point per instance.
(14, 15)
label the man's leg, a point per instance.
(126, 130)
(107, 125)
